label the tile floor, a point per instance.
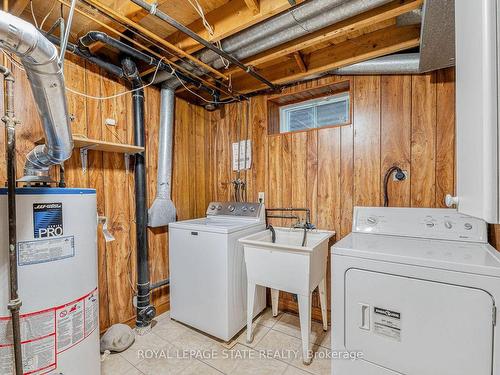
(172, 348)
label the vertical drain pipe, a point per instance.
(15, 303)
(145, 311)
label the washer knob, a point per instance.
(430, 224)
(372, 220)
(468, 226)
(212, 207)
(448, 224)
(252, 209)
(231, 208)
(219, 207)
(244, 208)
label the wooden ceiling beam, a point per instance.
(16, 7)
(300, 61)
(253, 5)
(340, 29)
(379, 43)
(152, 36)
(228, 20)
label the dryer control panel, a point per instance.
(433, 223)
(243, 209)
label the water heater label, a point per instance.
(47, 220)
(69, 321)
(387, 323)
(43, 251)
(68, 325)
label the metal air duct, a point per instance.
(162, 211)
(292, 24)
(40, 59)
(404, 63)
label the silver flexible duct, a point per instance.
(40, 60)
(292, 24)
(162, 211)
(404, 63)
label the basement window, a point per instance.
(317, 113)
(310, 108)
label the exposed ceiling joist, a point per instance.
(379, 43)
(119, 17)
(300, 62)
(253, 5)
(16, 7)
(335, 31)
(228, 20)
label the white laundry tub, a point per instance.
(287, 265)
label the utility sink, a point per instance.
(287, 265)
(288, 239)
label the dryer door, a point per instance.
(417, 327)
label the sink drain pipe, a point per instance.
(145, 311)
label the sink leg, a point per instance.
(305, 326)
(250, 302)
(322, 300)
(275, 296)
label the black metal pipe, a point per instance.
(98, 36)
(145, 311)
(159, 284)
(111, 68)
(172, 22)
(15, 303)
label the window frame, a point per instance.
(285, 110)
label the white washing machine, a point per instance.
(208, 282)
(414, 292)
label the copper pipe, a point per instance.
(153, 36)
(138, 44)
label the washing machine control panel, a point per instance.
(434, 223)
(244, 209)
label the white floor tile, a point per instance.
(258, 330)
(290, 324)
(142, 344)
(168, 361)
(115, 364)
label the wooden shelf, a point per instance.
(97, 145)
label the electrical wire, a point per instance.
(48, 14)
(399, 175)
(210, 30)
(119, 94)
(33, 14)
(196, 94)
(14, 62)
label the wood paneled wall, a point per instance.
(403, 120)
(107, 174)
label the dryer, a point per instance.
(415, 292)
(208, 281)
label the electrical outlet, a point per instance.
(262, 197)
(395, 179)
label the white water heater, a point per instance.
(57, 271)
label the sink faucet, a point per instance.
(273, 233)
(306, 225)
